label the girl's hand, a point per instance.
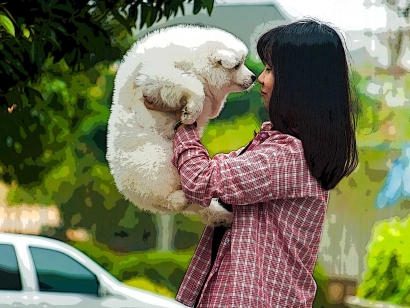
(151, 106)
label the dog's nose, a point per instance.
(253, 77)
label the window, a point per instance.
(9, 269)
(57, 272)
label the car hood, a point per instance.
(148, 299)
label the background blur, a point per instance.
(55, 181)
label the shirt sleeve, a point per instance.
(223, 156)
(275, 169)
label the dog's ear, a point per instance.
(226, 58)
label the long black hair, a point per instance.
(312, 98)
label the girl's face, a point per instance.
(267, 80)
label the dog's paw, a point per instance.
(151, 98)
(192, 110)
(189, 117)
(215, 215)
(176, 202)
(191, 209)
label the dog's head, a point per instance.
(226, 71)
(220, 64)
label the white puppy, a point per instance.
(188, 67)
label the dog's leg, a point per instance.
(215, 215)
(191, 209)
(176, 201)
(173, 88)
(192, 109)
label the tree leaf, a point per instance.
(144, 14)
(201, 4)
(148, 15)
(153, 16)
(14, 61)
(197, 6)
(80, 32)
(32, 53)
(7, 24)
(70, 56)
(26, 33)
(7, 68)
(67, 7)
(59, 27)
(53, 38)
(40, 54)
(209, 4)
(12, 57)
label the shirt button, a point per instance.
(216, 269)
(226, 240)
(263, 135)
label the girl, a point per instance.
(279, 184)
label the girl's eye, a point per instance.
(268, 69)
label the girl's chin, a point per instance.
(266, 105)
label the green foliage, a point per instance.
(164, 269)
(80, 32)
(146, 284)
(67, 123)
(186, 232)
(321, 282)
(7, 24)
(387, 277)
(369, 107)
(54, 153)
(201, 4)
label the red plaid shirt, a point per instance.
(266, 258)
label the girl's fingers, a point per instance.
(155, 107)
(151, 106)
(178, 115)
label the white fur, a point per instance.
(187, 67)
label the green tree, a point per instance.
(55, 96)
(387, 274)
(59, 157)
(80, 32)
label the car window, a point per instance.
(57, 272)
(9, 271)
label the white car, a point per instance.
(40, 272)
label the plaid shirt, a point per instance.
(266, 258)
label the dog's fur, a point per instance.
(183, 67)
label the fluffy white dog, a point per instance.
(182, 67)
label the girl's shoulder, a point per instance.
(269, 136)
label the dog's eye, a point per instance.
(237, 65)
(220, 62)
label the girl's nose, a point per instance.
(260, 78)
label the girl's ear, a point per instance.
(226, 58)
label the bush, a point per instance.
(163, 269)
(387, 277)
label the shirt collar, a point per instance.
(266, 126)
